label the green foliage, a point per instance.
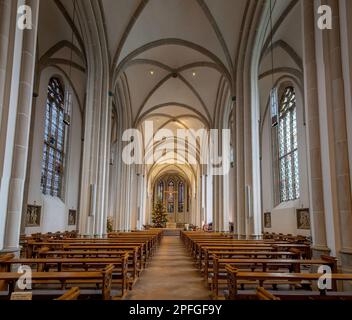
(159, 215)
(109, 225)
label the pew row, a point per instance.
(101, 279)
(235, 277)
(120, 267)
(219, 275)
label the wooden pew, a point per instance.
(291, 265)
(270, 247)
(35, 247)
(72, 294)
(152, 238)
(134, 265)
(234, 277)
(287, 237)
(191, 242)
(200, 251)
(208, 260)
(306, 250)
(197, 248)
(120, 275)
(74, 253)
(47, 248)
(265, 295)
(254, 251)
(103, 278)
(4, 258)
(191, 239)
(90, 248)
(149, 243)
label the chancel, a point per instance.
(176, 150)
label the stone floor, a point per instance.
(170, 275)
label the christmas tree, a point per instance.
(159, 217)
(109, 225)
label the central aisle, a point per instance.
(171, 275)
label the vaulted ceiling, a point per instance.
(177, 57)
(174, 55)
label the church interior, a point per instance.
(175, 149)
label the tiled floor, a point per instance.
(171, 275)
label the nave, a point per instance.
(154, 265)
(171, 275)
(228, 122)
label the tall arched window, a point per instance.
(181, 196)
(161, 191)
(288, 147)
(171, 197)
(54, 140)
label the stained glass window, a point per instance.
(288, 147)
(170, 197)
(54, 140)
(161, 191)
(181, 196)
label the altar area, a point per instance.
(172, 229)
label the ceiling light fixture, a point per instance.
(194, 73)
(151, 72)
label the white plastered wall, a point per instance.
(54, 215)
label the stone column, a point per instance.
(128, 199)
(206, 220)
(135, 176)
(122, 213)
(5, 19)
(96, 152)
(346, 43)
(224, 209)
(336, 101)
(248, 162)
(233, 193)
(215, 204)
(251, 127)
(199, 200)
(20, 148)
(115, 192)
(201, 197)
(138, 200)
(143, 201)
(7, 36)
(313, 133)
(240, 178)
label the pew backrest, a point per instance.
(265, 295)
(72, 294)
(107, 281)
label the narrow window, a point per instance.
(54, 141)
(288, 147)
